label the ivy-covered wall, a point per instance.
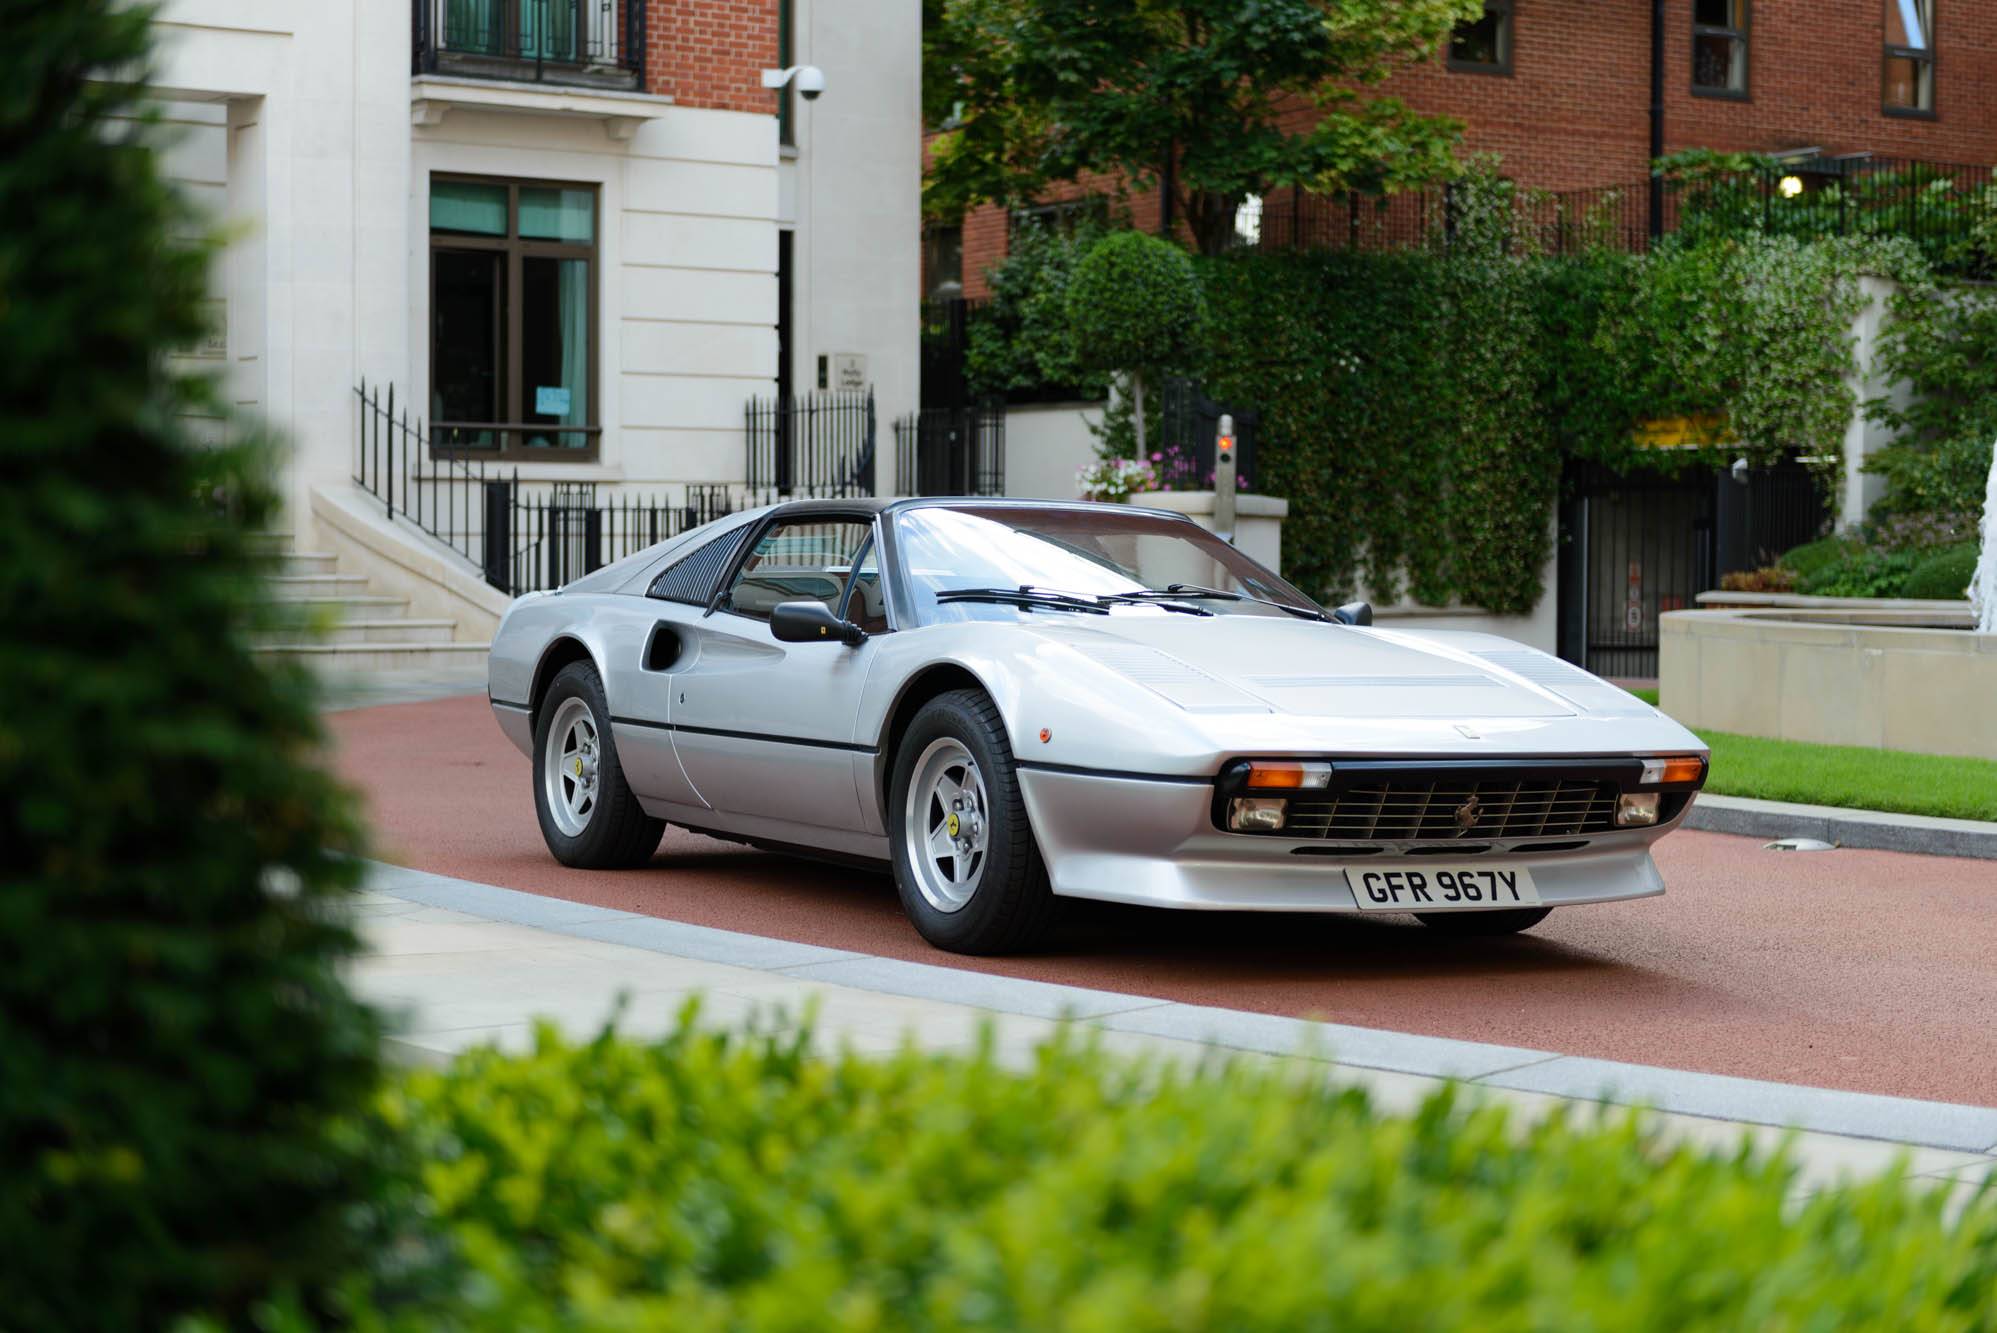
(1417, 407)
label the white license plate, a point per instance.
(1441, 888)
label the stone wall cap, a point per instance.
(1201, 502)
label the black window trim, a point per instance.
(1930, 54)
(515, 249)
(1503, 67)
(869, 519)
(1741, 34)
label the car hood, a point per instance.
(1255, 664)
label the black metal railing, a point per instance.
(952, 451)
(519, 536)
(1935, 204)
(595, 43)
(812, 445)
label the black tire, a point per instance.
(1473, 924)
(611, 831)
(1008, 904)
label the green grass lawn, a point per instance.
(1849, 775)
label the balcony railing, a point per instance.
(587, 43)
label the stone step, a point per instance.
(331, 609)
(367, 629)
(273, 542)
(353, 658)
(291, 564)
(304, 587)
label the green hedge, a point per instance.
(177, 1051)
(1944, 575)
(710, 1182)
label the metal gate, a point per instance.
(1635, 545)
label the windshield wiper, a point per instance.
(1024, 596)
(1164, 601)
(1193, 592)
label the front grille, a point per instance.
(1409, 810)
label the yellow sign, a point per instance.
(1686, 432)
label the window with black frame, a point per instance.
(1909, 82)
(1483, 45)
(1719, 48)
(513, 317)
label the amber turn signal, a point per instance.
(1266, 773)
(1673, 769)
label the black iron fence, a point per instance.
(598, 43)
(520, 535)
(812, 445)
(952, 451)
(1946, 209)
(1638, 544)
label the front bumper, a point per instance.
(1137, 840)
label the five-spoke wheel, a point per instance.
(589, 818)
(965, 863)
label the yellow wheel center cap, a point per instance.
(953, 826)
(578, 767)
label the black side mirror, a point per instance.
(813, 622)
(1354, 613)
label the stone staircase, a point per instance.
(359, 631)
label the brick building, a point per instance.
(1560, 90)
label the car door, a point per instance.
(764, 728)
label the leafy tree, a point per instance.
(1134, 305)
(177, 1052)
(1022, 340)
(1037, 91)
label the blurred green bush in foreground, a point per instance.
(178, 1058)
(708, 1182)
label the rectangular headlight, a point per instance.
(1636, 809)
(1249, 814)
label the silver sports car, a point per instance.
(1015, 701)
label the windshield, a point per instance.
(967, 556)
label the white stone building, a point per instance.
(558, 229)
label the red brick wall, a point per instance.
(1575, 112)
(711, 53)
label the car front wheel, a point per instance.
(589, 818)
(965, 863)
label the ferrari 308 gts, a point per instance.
(1011, 702)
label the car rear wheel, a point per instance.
(1508, 922)
(589, 818)
(965, 863)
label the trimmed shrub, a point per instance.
(1021, 343)
(1942, 575)
(1135, 308)
(1865, 572)
(1811, 557)
(711, 1182)
(176, 1048)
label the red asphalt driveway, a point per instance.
(1867, 971)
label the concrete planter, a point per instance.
(1258, 519)
(1886, 673)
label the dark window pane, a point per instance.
(473, 25)
(1716, 13)
(548, 214)
(1477, 43)
(466, 300)
(1719, 62)
(554, 348)
(1910, 82)
(1910, 23)
(944, 259)
(468, 207)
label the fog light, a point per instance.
(1636, 809)
(1247, 814)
